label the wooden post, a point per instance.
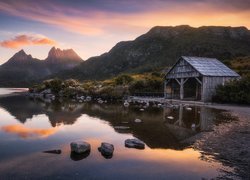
(182, 88)
(165, 93)
(197, 91)
(180, 115)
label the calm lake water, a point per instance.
(29, 127)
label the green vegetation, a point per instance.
(236, 91)
(115, 88)
(241, 65)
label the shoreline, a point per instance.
(229, 142)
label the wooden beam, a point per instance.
(185, 81)
(198, 80)
(165, 85)
(178, 81)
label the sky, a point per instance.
(93, 27)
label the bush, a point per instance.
(236, 91)
(123, 79)
(54, 84)
(71, 83)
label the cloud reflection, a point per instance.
(26, 133)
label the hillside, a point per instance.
(161, 47)
(154, 51)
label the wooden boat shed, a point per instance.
(196, 78)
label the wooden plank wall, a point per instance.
(182, 70)
(209, 86)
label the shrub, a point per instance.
(54, 84)
(71, 83)
(123, 79)
(236, 91)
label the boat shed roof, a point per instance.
(210, 66)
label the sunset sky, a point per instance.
(92, 27)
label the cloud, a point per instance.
(26, 40)
(25, 132)
(131, 17)
(99, 18)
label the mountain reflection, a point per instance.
(23, 108)
(156, 129)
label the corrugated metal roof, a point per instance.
(210, 66)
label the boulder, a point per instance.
(80, 147)
(106, 149)
(134, 143)
(138, 121)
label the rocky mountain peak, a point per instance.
(57, 55)
(21, 56)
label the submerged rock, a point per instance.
(170, 117)
(138, 121)
(106, 150)
(134, 143)
(125, 122)
(56, 151)
(122, 127)
(126, 104)
(80, 147)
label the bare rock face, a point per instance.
(57, 55)
(80, 147)
(20, 57)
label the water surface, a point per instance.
(29, 127)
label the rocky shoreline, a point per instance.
(229, 143)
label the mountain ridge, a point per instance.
(155, 50)
(23, 69)
(160, 47)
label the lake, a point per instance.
(30, 127)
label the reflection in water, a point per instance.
(25, 132)
(156, 130)
(78, 157)
(189, 121)
(60, 123)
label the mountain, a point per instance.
(59, 60)
(22, 69)
(161, 47)
(156, 50)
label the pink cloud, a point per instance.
(26, 40)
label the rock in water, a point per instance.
(106, 149)
(134, 143)
(121, 127)
(170, 117)
(56, 151)
(138, 121)
(80, 147)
